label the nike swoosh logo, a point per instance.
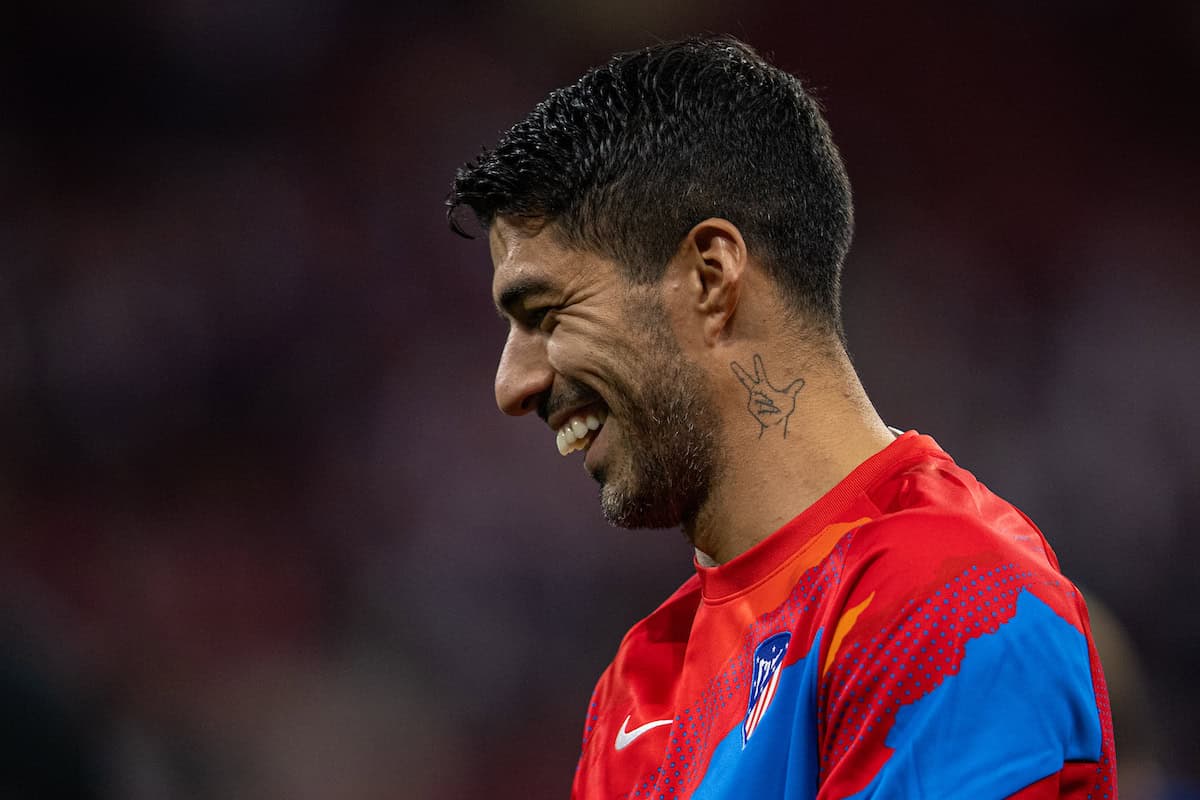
(626, 737)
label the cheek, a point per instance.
(561, 353)
(578, 361)
(591, 363)
(577, 348)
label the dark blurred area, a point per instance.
(265, 534)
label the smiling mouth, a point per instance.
(579, 431)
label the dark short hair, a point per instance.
(630, 157)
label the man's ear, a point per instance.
(715, 273)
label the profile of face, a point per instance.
(595, 357)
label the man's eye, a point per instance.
(538, 317)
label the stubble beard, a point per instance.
(666, 457)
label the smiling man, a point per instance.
(866, 619)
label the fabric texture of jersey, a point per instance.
(909, 635)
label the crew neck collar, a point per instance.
(741, 574)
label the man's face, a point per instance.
(596, 358)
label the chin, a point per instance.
(626, 507)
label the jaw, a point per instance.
(648, 483)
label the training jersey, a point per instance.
(907, 636)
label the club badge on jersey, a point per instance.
(768, 657)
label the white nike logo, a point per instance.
(625, 738)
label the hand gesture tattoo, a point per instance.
(768, 405)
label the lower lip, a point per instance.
(595, 451)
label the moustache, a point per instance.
(571, 395)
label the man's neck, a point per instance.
(769, 479)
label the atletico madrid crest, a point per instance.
(768, 657)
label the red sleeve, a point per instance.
(958, 667)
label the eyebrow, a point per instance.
(514, 295)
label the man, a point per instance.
(866, 619)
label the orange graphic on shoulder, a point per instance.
(843, 627)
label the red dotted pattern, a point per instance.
(593, 716)
(902, 662)
(1105, 787)
(725, 696)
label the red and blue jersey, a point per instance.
(909, 635)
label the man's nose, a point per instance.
(524, 373)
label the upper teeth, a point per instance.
(576, 434)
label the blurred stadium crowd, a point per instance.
(265, 535)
